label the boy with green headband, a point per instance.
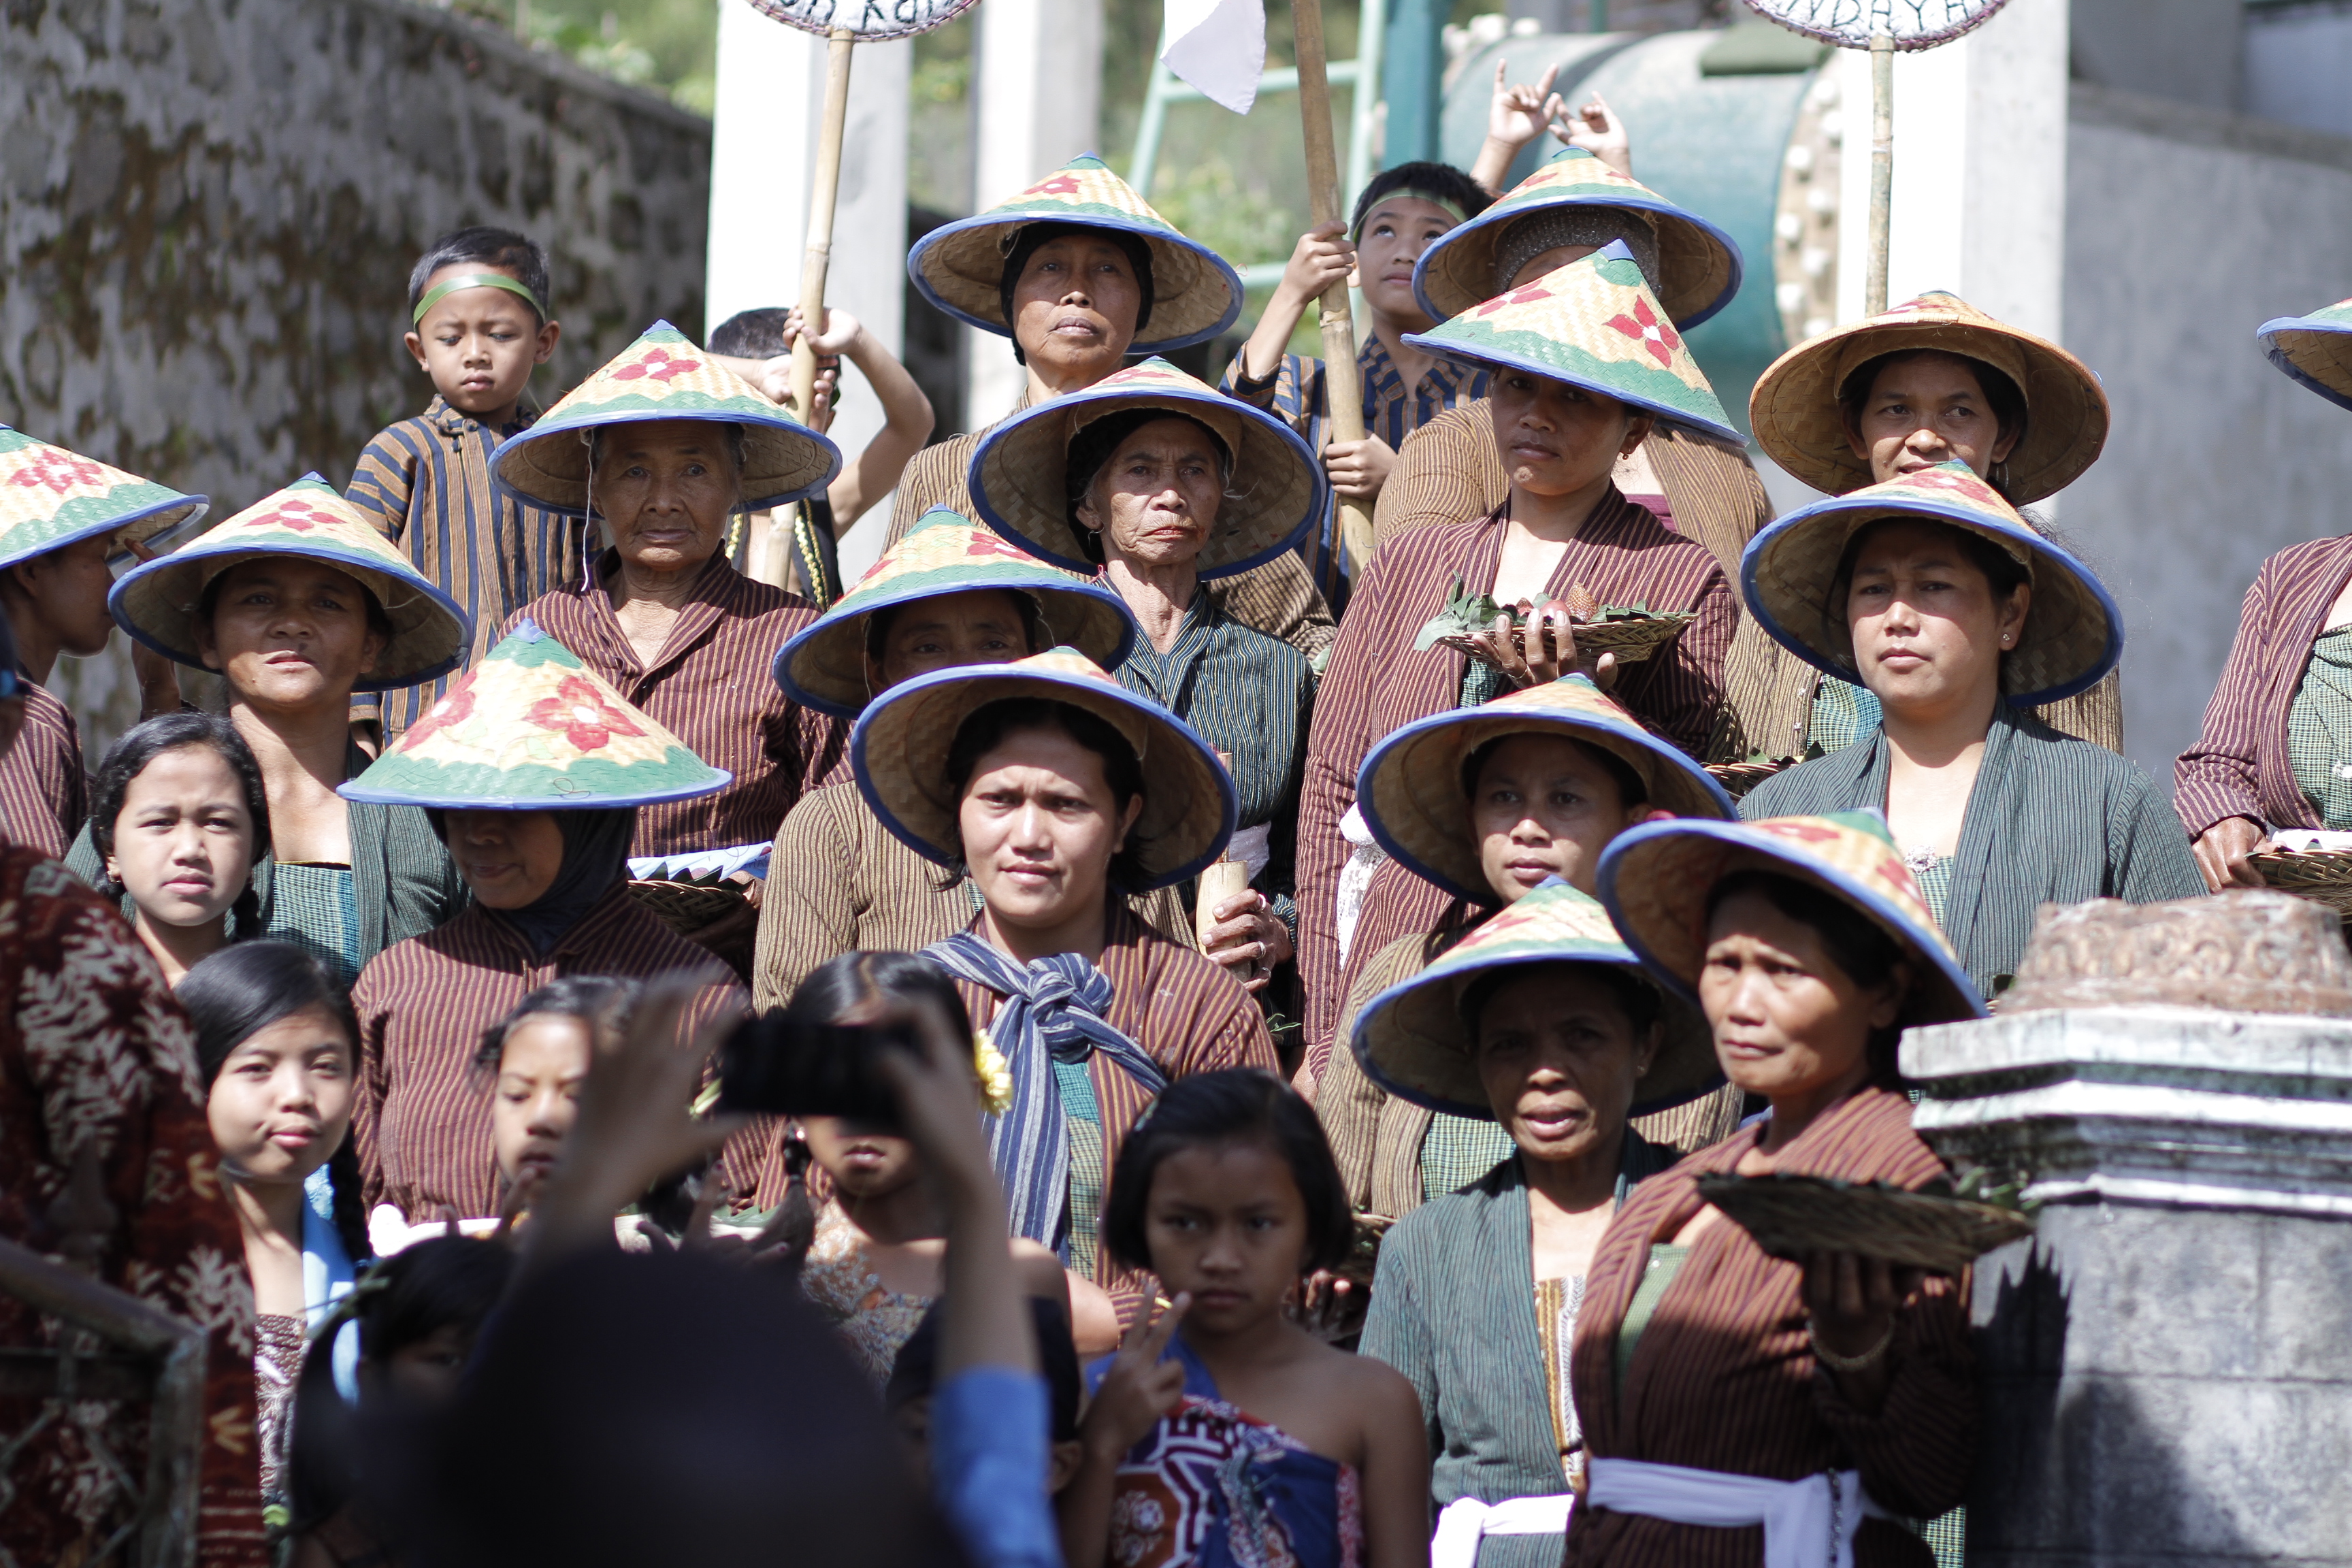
(477, 325)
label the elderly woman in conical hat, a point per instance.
(1081, 274)
(1542, 1027)
(1933, 381)
(1585, 362)
(950, 592)
(532, 769)
(1821, 1399)
(1058, 790)
(666, 447)
(64, 520)
(1162, 484)
(2273, 768)
(295, 602)
(1931, 592)
(1477, 808)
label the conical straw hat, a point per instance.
(1020, 486)
(2074, 634)
(51, 497)
(1699, 263)
(531, 728)
(157, 602)
(1794, 408)
(899, 754)
(1657, 880)
(663, 375)
(959, 267)
(823, 666)
(1410, 788)
(1412, 1040)
(2316, 349)
(1592, 323)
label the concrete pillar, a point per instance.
(1037, 91)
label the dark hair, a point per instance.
(2004, 574)
(1027, 240)
(378, 619)
(127, 758)
(1235, 1105)
(988, 726)
(1094, 446)
(915, 1373)
(1438, 179)
(1033, 623)
(2002, 395)
(1864, 950)
(750, 334)
(843, 981)
(234, 994)
(482, 247)
(1630, 790)
(594, 999)
(1635, 997)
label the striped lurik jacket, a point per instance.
(44, 789)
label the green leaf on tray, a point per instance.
(1467, 614)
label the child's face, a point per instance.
(183, 841)
(282, 1102)
(537, 1099)
(863, 1163)
(422, 1376)
(1225, 1221)
(479, 345)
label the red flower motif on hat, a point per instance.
(294, 515)
(1655, 335)
(59, 471)
(579, 712)
(1054, 185)
(1935, 478)
(658, 365)
(456, 706)
(984, 543)
(1526, 295)
(1800, 831)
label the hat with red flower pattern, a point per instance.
(51, 497)
(1592, 323)
(2316, 349)
(159, 602)
(663, 377)
(531, 728)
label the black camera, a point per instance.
(777, 1064)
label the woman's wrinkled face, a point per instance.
(1227, 1222)
(508, 858)
(1926, 627)
(1787, 1020)
(1544, 806)
(1560, 1061)
(183, 841)
(282, 1102)
(1156, 499)
(982, 625)
(290, 633)
(1556, 438)
(1926, 410)
(1075, 305)
(665, 489)
(1040, 826)
(536, 1098)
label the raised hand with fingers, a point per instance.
(1143, 1384)
(1596, 128)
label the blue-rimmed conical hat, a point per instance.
(51, 497)
(2316, 349)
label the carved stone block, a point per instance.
(2241, 952)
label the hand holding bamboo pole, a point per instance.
(822, 189)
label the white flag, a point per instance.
(1218, 46)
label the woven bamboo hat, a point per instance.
(898, 752)
(959, 267)
(1699, 264)
(2074, 634)
(1410, 788)
(1657, 878)
(1020, 472)
(531, 728)
(1595, 324)
(662, 375)
(823, 666)
(1794, 408)
(2316, 349)
(157, 602)
(1412, 1040)
(51, 497)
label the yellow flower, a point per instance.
(995, 1075)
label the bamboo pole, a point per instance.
(1341, 389)
(1882, 168)
(822, 189)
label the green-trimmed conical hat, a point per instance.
(959, 267)
(531, 728)
(1595, 324)
(51, 497)
(823, 666)
(663, 375)
(1412, 1040)
(2316, 349)
(1699, 264)
(157, 602)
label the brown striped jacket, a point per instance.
(1724, 1376)
(712, 685)
(44, 793)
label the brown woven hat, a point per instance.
(1794, 408)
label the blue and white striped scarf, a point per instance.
(1052, 1011)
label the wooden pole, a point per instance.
(822, 189)
(1882, 168)
(1340, 383)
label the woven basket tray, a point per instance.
(686, 906)
(1631, 639)
(1791, 1216)
(1739, 778)
(2323, 876)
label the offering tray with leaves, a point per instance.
(1791, 1216)
(1632, 631)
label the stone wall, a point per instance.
(208, 209)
